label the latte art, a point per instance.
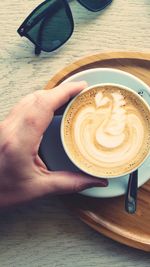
(110, 132)
(106, 131)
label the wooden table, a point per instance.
(44, 232)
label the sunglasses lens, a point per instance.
(95, 5)
(54, 27)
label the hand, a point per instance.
(23, 175)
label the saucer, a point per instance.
(58, 160)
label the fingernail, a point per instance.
(101, 183)
(84, 83)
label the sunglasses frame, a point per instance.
(24, 28)
(94, 10)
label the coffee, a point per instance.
(106, 131)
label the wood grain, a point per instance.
(107, 216)
(44, 233)
(119, 60)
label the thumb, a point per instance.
(62, 182)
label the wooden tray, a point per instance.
(107, 216)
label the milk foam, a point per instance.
(108, 132)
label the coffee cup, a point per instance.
(105, 130)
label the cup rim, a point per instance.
(62, 124)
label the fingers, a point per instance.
(68, 182)
(54, 183)
(30, 118)
(51, 100)
(62, 93)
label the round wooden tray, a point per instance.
(107, 216)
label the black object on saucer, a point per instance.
(131, 195)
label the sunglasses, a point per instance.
(51, 24)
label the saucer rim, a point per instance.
(78, 74)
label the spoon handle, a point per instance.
(131, 195)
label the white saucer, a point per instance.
(51, 149)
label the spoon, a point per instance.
(131, 195)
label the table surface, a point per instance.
(44, 232)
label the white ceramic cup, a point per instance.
(62, 129)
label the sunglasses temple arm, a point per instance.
(29, 25)
(23, 29)
(39, 37)
(37, 50)
(37, 47)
